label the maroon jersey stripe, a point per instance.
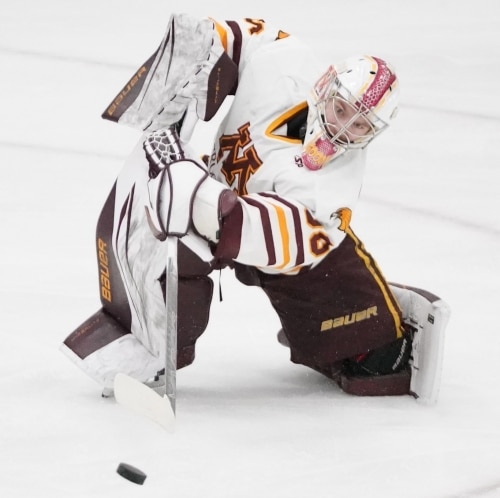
(268, 231)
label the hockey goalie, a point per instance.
(273, 201)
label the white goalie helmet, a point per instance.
(350, 104)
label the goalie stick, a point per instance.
(137, 396)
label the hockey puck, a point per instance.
(131, 473)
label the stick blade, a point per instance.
(142, 400)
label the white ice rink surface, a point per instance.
(250, 423)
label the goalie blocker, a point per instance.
(181, 194)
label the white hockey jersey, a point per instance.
(292, 216)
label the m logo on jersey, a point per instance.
(241, 160)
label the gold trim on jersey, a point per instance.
(372, 267)
(282, 120)
(282, 35)
(285, 236)
(222, 33)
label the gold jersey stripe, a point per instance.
(281, 120)
(285, 236)
(222, 34)
(377, 275)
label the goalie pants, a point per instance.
(339, 309)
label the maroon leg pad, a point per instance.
(377, 385)
(94, 333)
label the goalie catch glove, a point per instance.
(190, 66)
(181, 194)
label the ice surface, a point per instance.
(250, 423)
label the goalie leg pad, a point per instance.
(396, 384)
(427, 315)
(101, 348)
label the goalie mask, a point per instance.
(349, 106)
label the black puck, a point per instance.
(131, 473)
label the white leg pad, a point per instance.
(125, 355)
(428, 315)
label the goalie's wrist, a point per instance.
(212, 203)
